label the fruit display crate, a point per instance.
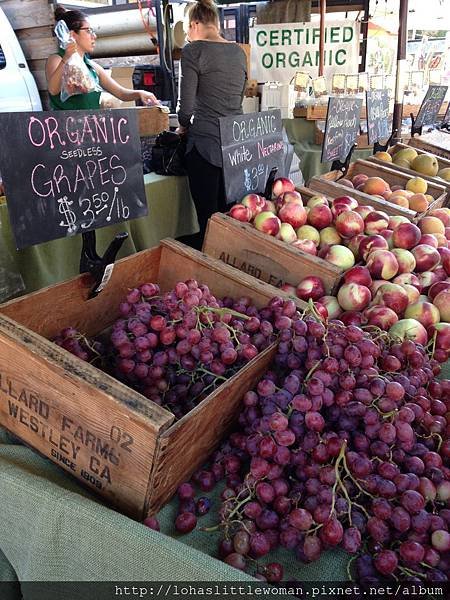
(329, 185)
(111, 438)
(437, 142)
(442, 162)
(263, 256)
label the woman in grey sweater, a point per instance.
(212, 84)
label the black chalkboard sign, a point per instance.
(430, 106)
(341, 128)
(377, 108)
(252, 145)
(446, 119)
(69, 172)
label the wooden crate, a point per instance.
(443, 164)
(152, 120)
(121, 445)
(328, 184)
(261, 255)
(437, 142)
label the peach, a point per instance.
(332, 306)
(375, 222)
(267, 222)
(393, 296)
(380, 316)
(442, 302)
(409, 279)
(287, 233)
(441, 240)
(330, 236)
(427, 257)
(417, 185)
(307, 232)
(388, 235)
(413, 293)
(346, 182)
(375, 286)
(405, 259)
(352, 317)
(442, 214)
(320, 216)
(396, 220)
(349, 223)
(281, 185)
(418, 202)
(425, 312)
(444, 253)
(438, 287)
(269, 206)
(409, 329)
(340, 207)
(447, 233)
(353, 244)
(375, 185)
(399, 200)
(382, 264)
(364, 210)
(241, 213)
(440, 272)
(371, 243)
(406, 235)
(442, 331)
(254, 202)
(307, 246)
(430, 239)
(340, 256)
(310, 287)
(431, 225)
(359, 179)
(292, 213)
(427, 279)
(351, 202)
(289, 289)
(352, 296)
(292, 197)
(358, 274)
(315, 200)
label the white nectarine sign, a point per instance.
(278, 51)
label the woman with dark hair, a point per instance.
(212, 84)
(83, 41)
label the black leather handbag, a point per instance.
(168, 154)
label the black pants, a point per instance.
(207, 191)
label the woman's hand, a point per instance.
(147, 98)
(70, 50)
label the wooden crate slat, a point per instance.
(263, 256)
(184, 447)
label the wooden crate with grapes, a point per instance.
(120, 442)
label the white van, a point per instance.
(18, 90)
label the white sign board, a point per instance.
(278, 51)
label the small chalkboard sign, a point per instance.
(341, 128)
(431, 104)
(377, 105)
(252, 145)
(69, 172)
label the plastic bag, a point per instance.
(76, 77)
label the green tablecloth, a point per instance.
(300, 133)
(171, 214)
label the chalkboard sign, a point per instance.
(377, 105)
(446, 119)
(69, 172)
(251, 145)
(341, 128)
(430, 106)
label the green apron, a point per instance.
(87, 101)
